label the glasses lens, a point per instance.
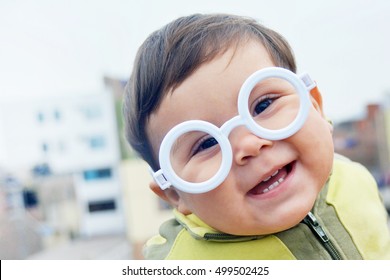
(273, 103)
(196, 156)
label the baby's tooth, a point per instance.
(274, 184)
(266, 179)
(276, 172)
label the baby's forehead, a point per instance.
(212, 86)
(207, 53)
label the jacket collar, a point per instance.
(200, 230)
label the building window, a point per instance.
(103, 205)
(30, 198)
(57, 115)
(97, 142)
(40, 117)
(62, 146)
(45, 147)
(97, 174)
(92, 112)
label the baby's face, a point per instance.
(296, 168)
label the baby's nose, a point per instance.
(246, 145)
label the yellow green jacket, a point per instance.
(348, 221)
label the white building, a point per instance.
(72, 135)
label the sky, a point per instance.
(66, 47)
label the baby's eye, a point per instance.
(262, 106)
(204, 144)
(263, 103)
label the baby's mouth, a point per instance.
(272, 181)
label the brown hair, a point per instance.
(171, 54)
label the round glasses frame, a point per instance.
(167, 177)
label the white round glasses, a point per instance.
(196, 156)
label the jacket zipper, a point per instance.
(311, 221)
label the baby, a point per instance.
(240, 147)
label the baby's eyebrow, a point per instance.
(188, 137)
(176, 145)
(181, 139)
(274, 84)
(262, 86)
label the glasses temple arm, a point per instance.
(308, 81)
(160, 179)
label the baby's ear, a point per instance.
(170, 195)
(316, 99)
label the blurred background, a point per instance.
(70, 187)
